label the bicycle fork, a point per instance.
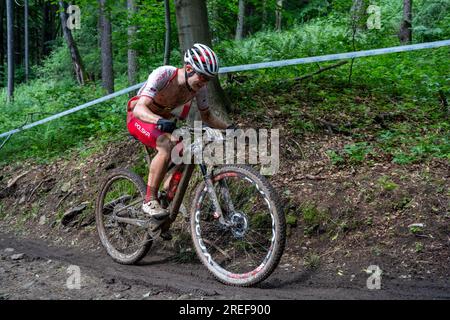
(218, 214)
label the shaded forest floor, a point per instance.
(347, 209)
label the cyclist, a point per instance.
(168, 93)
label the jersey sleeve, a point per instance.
(202, 99)
(156, 81)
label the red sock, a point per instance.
(149, 195)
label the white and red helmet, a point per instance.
(202, 59)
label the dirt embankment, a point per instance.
(341, 220)
(32, 269)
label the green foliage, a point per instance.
(387, 184)
(410, 87)
(314, 9)
(418, 247)
(291, 220)
(335, 158)
(313, 217)
(260, 220)
(357, 152)
(311, 261)
(431, 20)
(416, 229)
(42, 98)
(182, 244)
(352, 154)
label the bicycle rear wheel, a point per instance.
(246, 251)
(121, 195)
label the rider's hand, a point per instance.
(166, 125)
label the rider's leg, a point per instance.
(158, 166)
(178, 168)
(157, 171)
(152, 137)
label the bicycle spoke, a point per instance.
(251, 235)
(123, 200)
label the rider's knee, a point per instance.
(164, 145)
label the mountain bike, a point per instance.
(237, 224)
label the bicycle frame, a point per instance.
(179, 194)
(175, 205)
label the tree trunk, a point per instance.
(37, 42)
(106, 48)
(53, 20)
(168, 31)
(10, 31)
(240, 21)
(359, 14)
(278, 14)
(74, 53)
(2, 44)
(27, 67)
(264, 14)
(405, 34)
(18, 33)
(44, 31)
(193, 27)
(132, 63)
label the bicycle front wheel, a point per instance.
(247, 248)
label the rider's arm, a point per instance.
(205, 113)
(142, 110)
(211, 119)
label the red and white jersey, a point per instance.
(158, 88)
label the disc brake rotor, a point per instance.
(240, 224)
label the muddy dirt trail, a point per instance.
(32, 269)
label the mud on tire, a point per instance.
(204, 247)
(141, 248)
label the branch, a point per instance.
(333, 66)
(34, 190)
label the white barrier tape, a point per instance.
(83, 106)
(339, 56)
(247, 67)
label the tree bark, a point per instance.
(44, 31)
(193, 27)
(106, 48)
(240, 21)
(18, 34)
(53, 20)
(26, 40)
(405, 34)
(168, 31)
(10, 31)
(278, 14)
(264, 14)
(132, 55)
(359, 14)
(2, 44)
(77, 63)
